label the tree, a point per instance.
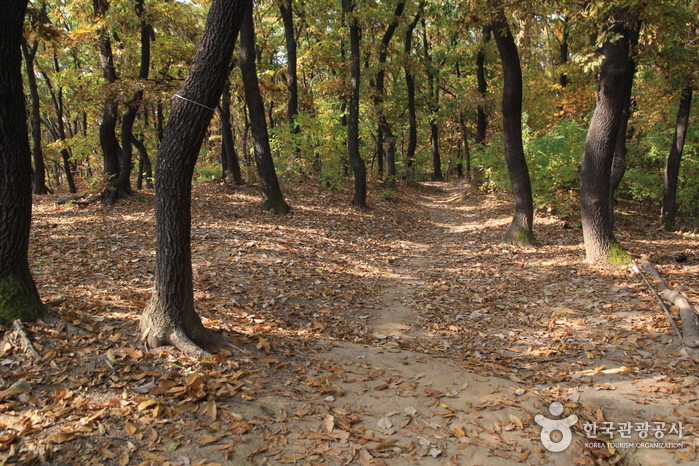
(520, 230)
(482, 119)
(19, 297)
(410, 87)
(37, 151)
(384, 127)
(170, 317)
(274, 200)
(355, 157)
(432, 105)
(107, 129)
(287, 12)
(616, 76)
(229, 156)
(123, 184)
(672, 167)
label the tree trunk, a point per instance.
(145, 169)
(482, 119)
(467, 149)
(433, 106)
(39, 179)
(170, 317)
(355, 158)
(107, 129)
(274, 200)
(132, 107)
(619, 160)
(410, 88)
(563, 52)
(19, 298)
(672, 168)
(229, 156)
(59, 132)
(616, 74)
(520, 231)
(386, 135)
(285, 7)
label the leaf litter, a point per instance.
(400, 335)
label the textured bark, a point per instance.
(672, 167)
(39, 179)
(482, 118)
(58, 131)
(133, 105)
(595, 175)
(520, 230)
(170, 317)
(285, 7)
(410, 88)
(145, 169)
(433, 105)
(386, 135)
(274, 200)
(19, 298)
(107, 129)
(619, 160)
(355, 157)
(229, 156)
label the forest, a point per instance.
(237, 231)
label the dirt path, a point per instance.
(402, 335)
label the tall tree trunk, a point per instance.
(386, 135)
(19, 298)
(39, 179)
(274, 200)
(433, 106)
(520, 230)
(287, 12)
(170, 317)
(672, 168)
(563, 52)
(132, 107)
(59, 132)
(619, 160)
(145, 169)
(410, 88)
(107, 129)
(355, 157)
(467, 149)
(482, 118)
(595, 175)
(229, 156)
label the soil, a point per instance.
(405, 334)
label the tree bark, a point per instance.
(386, 134)
(433, 106)
(39, 178)
(520, 230)
(616, 75)
(482, 117)
(410, 89)
(59, 132)
(563, 52)
(355, 157)
(229, 156)
(145, 169)
(132, 106)
(287, 12)
(19, 298)
(672, 167)
(170, 317)
(274, 200)
(619, 160)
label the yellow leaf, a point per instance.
(147, 404)
(124, 459)
(685, 456)
(517, 421)
(130, 428)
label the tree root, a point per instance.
(20, 333)
(195, 348)
(690, 332)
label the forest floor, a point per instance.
(404, 334)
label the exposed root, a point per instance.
(195, 348)
(20, 333)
